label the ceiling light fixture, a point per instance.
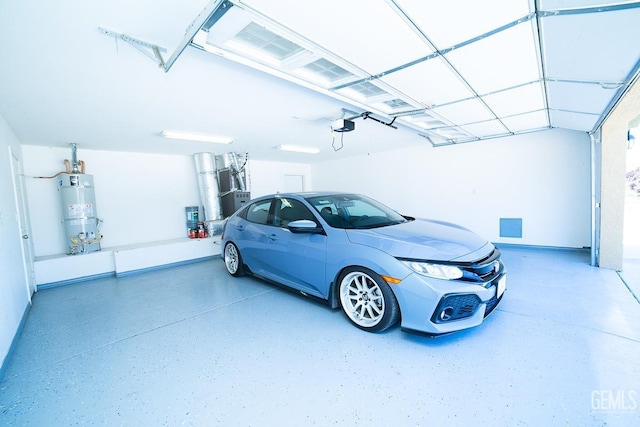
(298, 149)
(200, 137)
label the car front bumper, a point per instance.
(435, 307)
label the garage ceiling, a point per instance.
(440, 72)
(456, 71)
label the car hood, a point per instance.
(424, 239)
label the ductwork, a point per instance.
(208, 185)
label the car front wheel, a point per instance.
(367, 300)
(233, 260)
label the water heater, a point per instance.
(79, 213)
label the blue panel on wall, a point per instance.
(511, 227)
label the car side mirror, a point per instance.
(304, 226)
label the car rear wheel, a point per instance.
(233, 260)
(367, 300)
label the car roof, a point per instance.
(305, 194)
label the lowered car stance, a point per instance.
(379, 266)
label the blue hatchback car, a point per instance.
(379, 266)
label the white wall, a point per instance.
(140, 196)
(14, 297)
(270, 177)
(543, 178)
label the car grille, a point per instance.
(484, 270)
(455, 307)
(491, 305)
(461, 306)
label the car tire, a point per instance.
(367, 300)
(233, 260)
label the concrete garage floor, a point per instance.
(190, 345)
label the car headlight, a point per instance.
(437, 271)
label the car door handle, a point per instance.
(239, 227)
(272, 237)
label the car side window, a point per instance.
(287, 210)
(259, 212)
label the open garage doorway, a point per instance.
(630, 273)
(631, 239)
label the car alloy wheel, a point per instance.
(367, 300)
(233, 260)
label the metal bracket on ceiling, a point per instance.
(151, 51)
(214, 11)
(367, 115)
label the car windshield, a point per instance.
(354, 211)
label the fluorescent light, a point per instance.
(298, 149)
(201, 137)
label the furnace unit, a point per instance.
(233, 201)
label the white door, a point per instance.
(23, 223)
(293, 183)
